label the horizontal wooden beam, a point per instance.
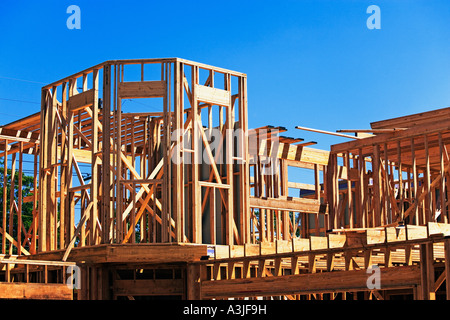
(81, 100)
(327, 132)
(214, 185)
(37, 262)
(370, 130)
(38, 291)
(289, 204)
(303, 186)
(323, 282)
(412, 120)
(145, 89)
(131, 253)
(142, 181)
(19, 135)
(150, 287)
(286, 151)
(438, 126)
(213, 96)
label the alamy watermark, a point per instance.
(74, 20)
(217, 147)
(374, 280)
(374, 20)
(73, 280)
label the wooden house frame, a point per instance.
(186, 201)
(398, 176)
(82, 121)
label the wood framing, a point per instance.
(179, 198)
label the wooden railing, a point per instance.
(36, 279)
(408, 257)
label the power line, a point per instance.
(15, 100)
(23, 80)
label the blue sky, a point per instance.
(309, 63)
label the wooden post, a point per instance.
(167, 178)
(415, 182)
(106, 213)
(246, 161)
(427, 271)
(444, 215)
(387, 215)
(429, 214)
(362, 190)
(35, 204)
(64, 200)
(94, 236)
(8, 273)
(52, 170)
(43, 176)
(69, 209)
(430, 271)
(84, 283)
(377, 185)
(177, 156)
(20, 199)
(118, 149)
(349, 190)
(229, 216)
(93, 282)
(212, 214)
(317, 195)
(333, 190)
(400, 180)
(196, 157)
(294, 265)
(45, 273)
(12, 199)
(193, 281)
(5, 183)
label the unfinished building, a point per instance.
(187, 202)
